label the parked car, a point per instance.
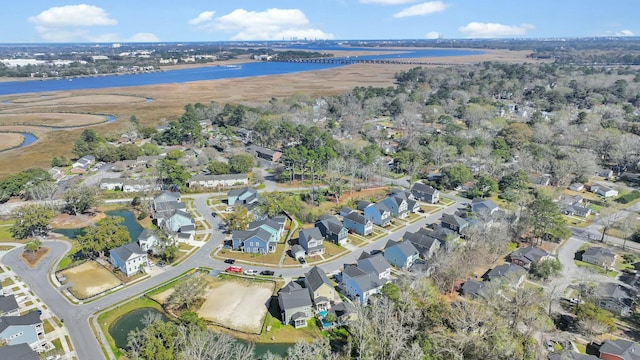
(230, 261)
(550, 347)
(234, 269)
(251, 272)
(267, 273)
(302, 260)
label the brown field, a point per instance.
(89, 279)
(169, 100)
(162, 297)
(51, 119)
(9, 140)
(237, 305)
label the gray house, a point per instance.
(616, 298)
(426, 193)
(244, 196)
(359, 285)
(375, 264)
(528, 255)
(25, 329)
(401, 254)
(9, 306)
(312, 241)
(473, 288)
(128, 258)
(453, 222)
(619, 349)
(510, 274)
(295, 305)
(599, 256)
(332, 229)
(423, 241)
(18, 352)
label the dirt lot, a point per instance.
(237, 305)
(9, 140)
(162, 297)
(89, 279)
(66, 221)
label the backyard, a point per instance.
(89, 279)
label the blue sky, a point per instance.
(35, 21)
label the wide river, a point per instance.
(250, 69)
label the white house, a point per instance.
(604, 191)
(128, 258)
(214, 181)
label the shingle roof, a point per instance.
(331, 223)
(506, 270)
(32, 318)
(290, 297)
(530, 253)
(18, 351)
(376, 263)
(297, 249)
(626, 349)
(598, 251)
(427, 189)
(316, 278)
(473, 287)
(218, 177)
(356, 217)
(406, 247)
(313, 233)
(453, 220)
(125, 252)
(8, 304)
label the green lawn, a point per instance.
(267, 259)
(47, 326)
(596, 269)
(582, 348)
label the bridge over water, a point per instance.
(349, 61)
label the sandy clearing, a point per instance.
(238, 306)
(9, 140)
(163, 296)
(90, 279)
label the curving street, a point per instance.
(76, 316)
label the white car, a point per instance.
(251, 272)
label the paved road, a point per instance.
(76, 316)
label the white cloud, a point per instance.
(421, 9)
(388, 2)
(624, 33)
(73, 16)
(433, 35)
(272, 24)
(490, 30)
(204, 16)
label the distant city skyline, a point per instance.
(42, 21)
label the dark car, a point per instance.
(302, 261)
(267, 273)
(230, 261)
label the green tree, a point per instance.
(217, 167)
(487, 186)
(156, 340)
(80, 199)
(241, 163)
(189, 291)
(174, 174)
(456, 175)
(392, 291)
(61, 161)
(501, 148)
(546, 269)
(595, 320)
(517, 135)
(32, 246)
(105, 235)
(147, 132)
(31, 220)
(545, 220)
(239, 218)
(517, 180)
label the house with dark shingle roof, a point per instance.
(528, 255)
(295, 305)
(616, 298)
(129, 258)
(258, 241)
(18, 352)
(357, 223)
(599, 256)
(264, 153)
(426, 193)
(484, 207)
(412, 204)
(398, 206)
(378, 213)
(510, 274)
(332, 229)
(453, 222)
(21, 329)
(243, 196)
(375, 264)
(473, 288)
(619, 349)
(359, 285)
(312, 241)
(320, 289)
(422, 240)
(401, 254)
(9, 306)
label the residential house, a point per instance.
(619, 349)
(616, 298)
(128, 185)
(24, 329)
(215, 181)
(398, 206)
(426, 193)
(412, 204)
(177, 221)
(576, 187)
(18, 352)
(359, 285)
(605, 173)
(604, 191)
(275, 226)
(542, 180)
(345, 312)
(129, 258)
(357, 223)
(56, 173)
(378, 213)
(264, 153)
(257, 241)
(244, 196)
(332, 229)
(599, 256)
(83, 164)
(166, 200)
(147, 240)
(509, 274)
(422, 240)
(9, 306)
(484, 207)
(453, 222)
(312, 241)
(573, 206)
(295, 305)
(401, 254)
(245, 135)
(375, 264)
(473, 288)
(320, 289)
(297, 252)
(528, 255)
